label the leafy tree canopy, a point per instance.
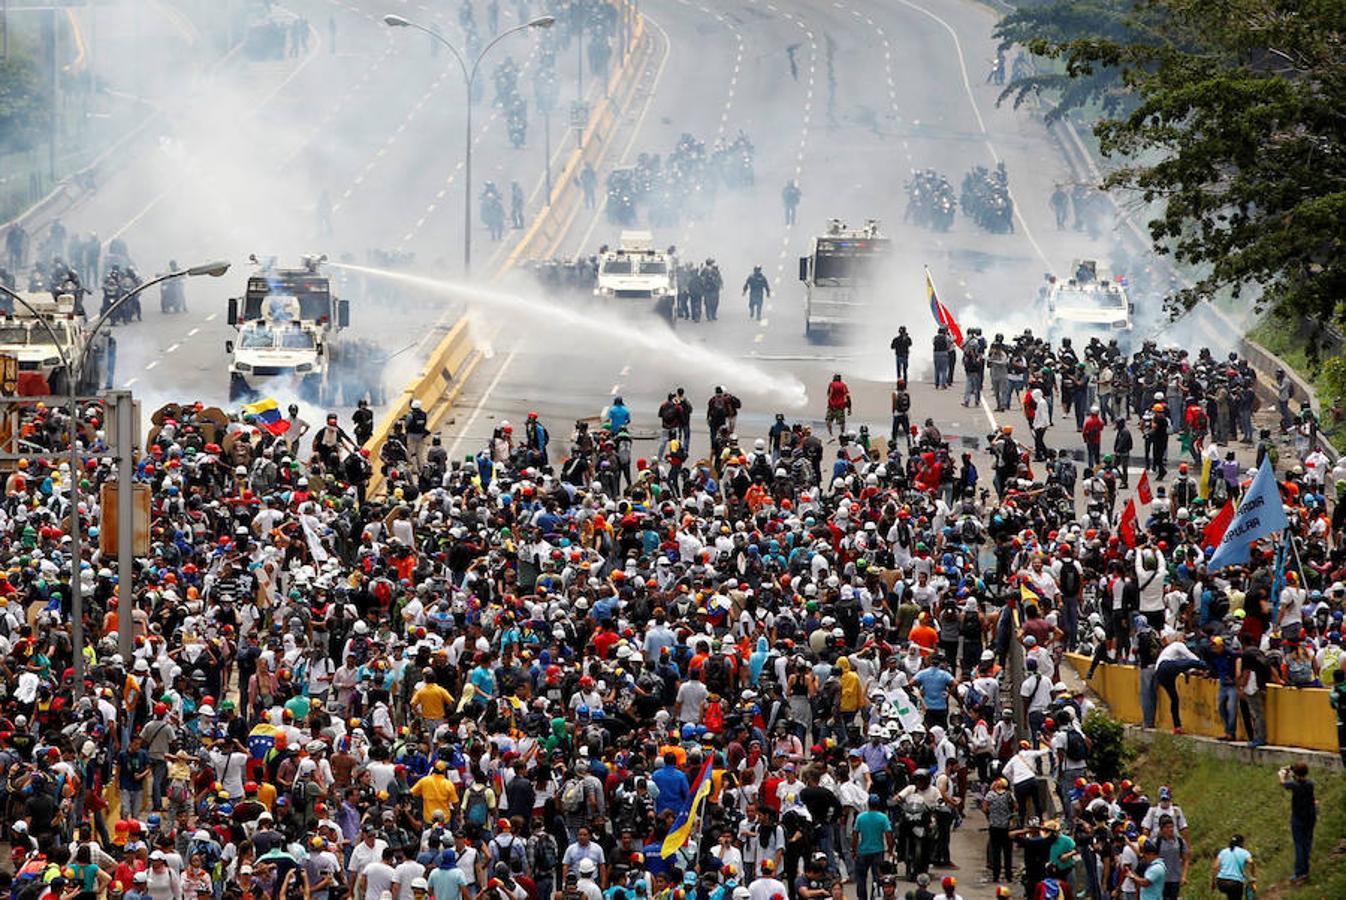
(1229, 115)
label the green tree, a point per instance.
(1233, 125)
(1064, 33)
(25, 102)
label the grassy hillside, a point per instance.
(1220, 798)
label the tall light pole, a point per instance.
(74, 375)
(469, 77)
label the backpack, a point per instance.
(1077, 745)
(717, 675)
(1070, 579)
(903, 402)
(477, 810)
(1299, 672)
(545, 853)
(513, 853)
(572, 795)
(1149, 642)
(974, 699)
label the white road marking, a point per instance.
(152, 363)
(212, 317)
(172, 348)
(130, 382)
(476, 410)
(194, 332)
(976, 112)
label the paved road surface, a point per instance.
(910, 92)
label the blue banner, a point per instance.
(1260, 514)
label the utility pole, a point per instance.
(127, 427)
(53, 112)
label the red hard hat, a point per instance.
(160, 708)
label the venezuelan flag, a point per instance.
(1029, 594)
(267, 415)
(681, 832)
(940, 312)
(261, 740)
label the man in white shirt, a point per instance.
(377, 877)
(368, 850)
(767, 887)
(406, 871)
(1174, 660)
(691, 700)
(587, 884)
(1036, 693)
(789, 792)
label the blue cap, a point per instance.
(448, 859)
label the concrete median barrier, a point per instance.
(1296, 717)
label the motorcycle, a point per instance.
(918, 832)
(930, 200)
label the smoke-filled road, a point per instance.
(881, 88)
(240, 160)
(845, 97)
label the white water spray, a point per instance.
(601, 327)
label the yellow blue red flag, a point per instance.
(266, 414)
(681, 832)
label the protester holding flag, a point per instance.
(637, 671)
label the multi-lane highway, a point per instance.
(844, 97)
(877, 90)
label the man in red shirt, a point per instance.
(604, 641)
(1093, 436)
(838, 403)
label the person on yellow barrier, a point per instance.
(1174, 660)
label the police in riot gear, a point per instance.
(930, 200)
(493, 210)
(757, 289)
(711, 283)
(986, 199)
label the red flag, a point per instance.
(1143, 488)
(1126, 529)
(941, 312)
(1216, 527)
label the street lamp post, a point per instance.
(74, 374)
(469, 78)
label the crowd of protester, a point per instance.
(562, 671)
